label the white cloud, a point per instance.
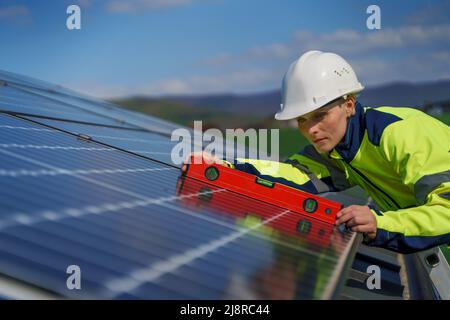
(353, 42)
(408, 47)
(169, 86)
(133, 6)
(97, 89)
(275, 50)
(237, 81)
(344, 41)
(374, 70)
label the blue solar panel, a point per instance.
(85, 108)
(19, 101)
(138, 230)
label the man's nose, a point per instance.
(313, 129)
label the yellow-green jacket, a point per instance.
(400, 156)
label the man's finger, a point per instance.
(342, 212)
(362, 228)
(358, 220)
(346, 210)
(351, 223)
(344, 218)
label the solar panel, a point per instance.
(18, 101)
(82, 104)
(137, 229)
(28, 81)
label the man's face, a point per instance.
(325, 127)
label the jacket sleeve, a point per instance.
(306, 171)
(420, 154)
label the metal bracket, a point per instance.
(437, 267)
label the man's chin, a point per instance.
(322, 148)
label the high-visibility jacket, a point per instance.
(399, 156)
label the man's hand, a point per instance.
(358, 219)
(208, 158)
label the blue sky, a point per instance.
(158, 47)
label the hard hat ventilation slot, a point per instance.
(341, 72)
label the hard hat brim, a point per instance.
(286, 115)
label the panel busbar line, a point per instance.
(134, 234)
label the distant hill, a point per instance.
(185, 114)
(406, 94)
(261, 103)
(392, 94)
(232, 110)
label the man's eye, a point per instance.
(301, 120)
(319, 116)
(315, 118)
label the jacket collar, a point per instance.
(349, 146)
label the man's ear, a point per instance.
(350, 106)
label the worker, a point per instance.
(399, 156)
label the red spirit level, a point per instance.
(264, 190)
(299, 228)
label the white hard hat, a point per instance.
(312, 81)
